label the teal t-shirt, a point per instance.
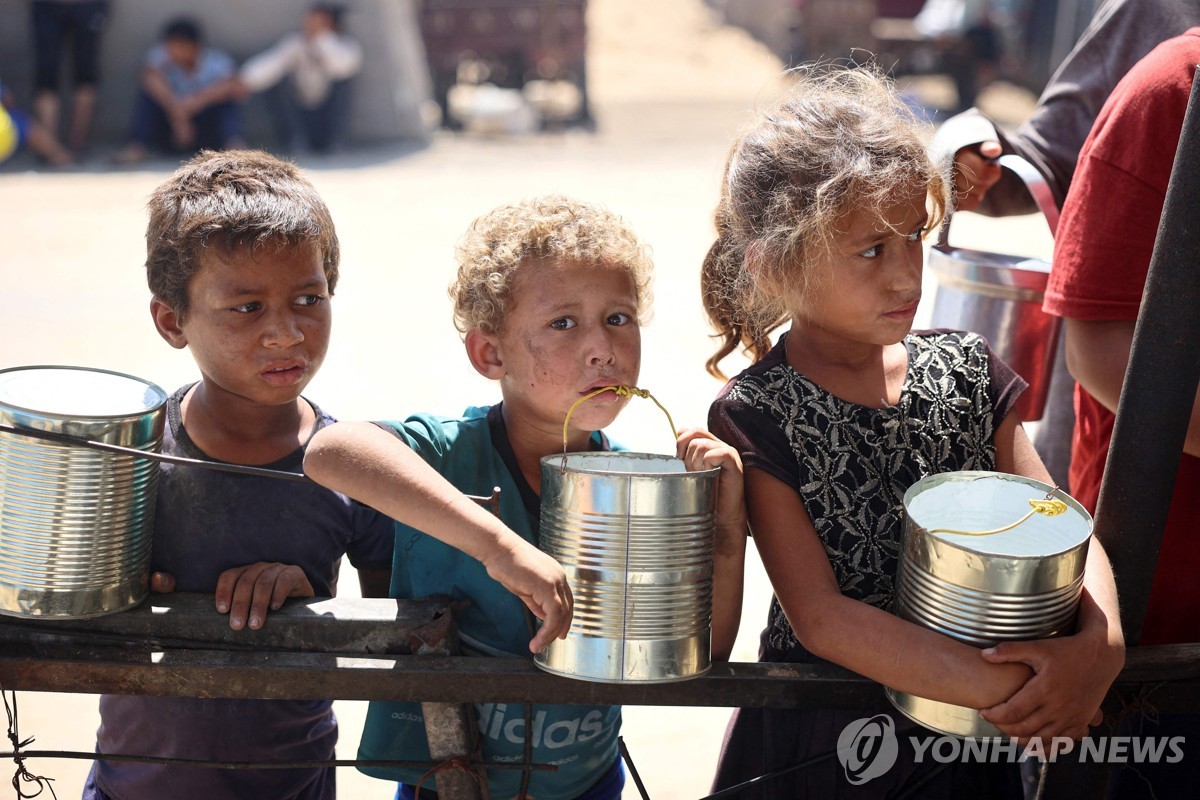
(580, 740)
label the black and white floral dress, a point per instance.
(851, 466)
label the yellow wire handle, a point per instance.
(1048, 507)
(620, 391)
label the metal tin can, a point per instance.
(634, 533)
(1022, 582)
(76, 524)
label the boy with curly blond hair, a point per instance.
(549, 297)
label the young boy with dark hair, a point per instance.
(550, 295)
(242, 260)
(188, 97)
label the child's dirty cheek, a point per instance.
(546, 376)
(553, 379)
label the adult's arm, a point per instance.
(1097, 357)
(1120, 34)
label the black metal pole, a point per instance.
(1159, 389)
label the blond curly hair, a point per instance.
(502, 244)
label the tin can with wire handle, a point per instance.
(988, 557)
(76, 524)
(634, 533)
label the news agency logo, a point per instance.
(868, 748)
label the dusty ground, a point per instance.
(670, 86)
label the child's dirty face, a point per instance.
(258, 324)
(871, 284)
(570, 330)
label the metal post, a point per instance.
(450, 727)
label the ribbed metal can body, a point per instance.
(1000, 297)
(76, 524)
(1018, 584)
(634, 533)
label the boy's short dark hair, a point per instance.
(229, 201)
(184, 28)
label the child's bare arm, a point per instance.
(699, 449)
(1071, 674)
(248, 592)
(374, 467)
(155, 84)
(854, 634)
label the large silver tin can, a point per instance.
(1000, 296)
(76, 524)
(634, 533)
(1019, 584)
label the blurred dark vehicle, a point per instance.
(507, 43)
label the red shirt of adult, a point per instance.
(1102, 254)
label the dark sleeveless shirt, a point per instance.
(206, 522)
(852, 464)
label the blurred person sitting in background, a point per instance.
(308, 75)
(17, 130)
(55, 22)
(187, 100)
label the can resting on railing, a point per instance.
(76, 524)
(634, 533)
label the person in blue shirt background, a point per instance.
(188, 97)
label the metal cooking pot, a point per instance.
(1000, 297)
